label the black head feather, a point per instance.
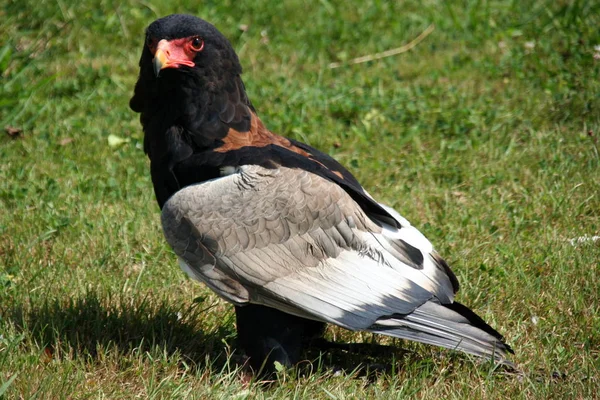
(215, 65)
(217, 56)
(204, 100)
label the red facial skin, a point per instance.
(175, 53)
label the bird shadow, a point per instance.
(84, 326)
(360, 359)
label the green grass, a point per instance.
(485, 136)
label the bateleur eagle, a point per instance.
(276, 227)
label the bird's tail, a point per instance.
(452, 326)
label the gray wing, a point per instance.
(289, 239)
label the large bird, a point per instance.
(276, 227)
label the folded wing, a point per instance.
(292, 240)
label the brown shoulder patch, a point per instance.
(257, 136)
(260, 136)
(338, 174)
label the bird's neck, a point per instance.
(183, 128)
(202, 113)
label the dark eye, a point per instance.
(197, 44)
(152, 43)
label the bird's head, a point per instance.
(182, 51)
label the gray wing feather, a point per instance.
(292, 240)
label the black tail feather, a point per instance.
(452, 326)
(477, 321)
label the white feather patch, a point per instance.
(350, 290)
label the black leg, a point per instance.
(268, 335)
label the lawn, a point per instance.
(485, 135)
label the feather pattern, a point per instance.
(276, 227)
(295, 241)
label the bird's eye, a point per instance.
(197, 44)
(152, 43)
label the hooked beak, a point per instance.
(170, 54)
(159, 62)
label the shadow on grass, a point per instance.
(362, 359)
(83, 326)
